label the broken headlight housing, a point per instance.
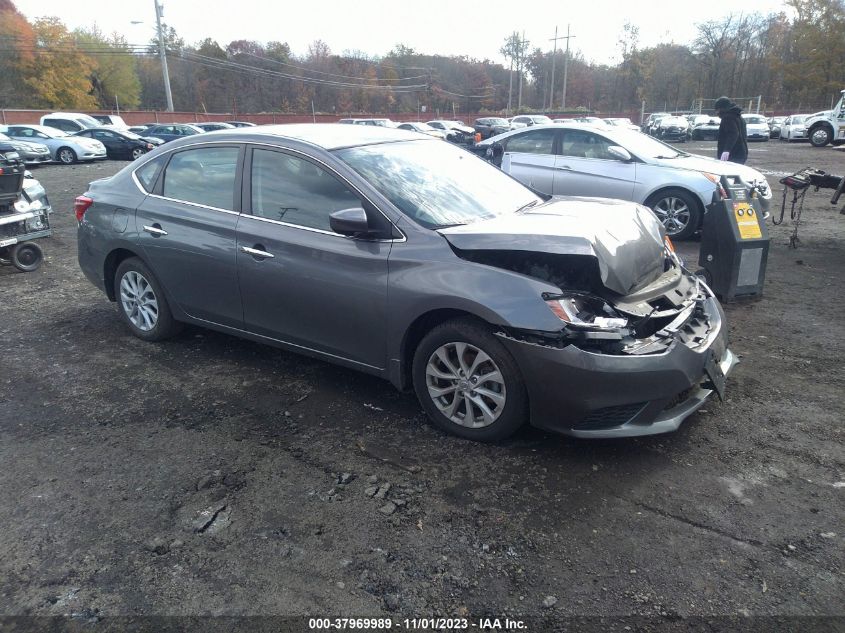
(585, 311)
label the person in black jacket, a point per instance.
(732, 144)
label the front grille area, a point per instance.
(608, 417)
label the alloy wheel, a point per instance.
(139, 301)
(67, 156)
(465, 385)
(673, 213)
(820, 137)
(137, 153)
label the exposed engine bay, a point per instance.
(645, 321)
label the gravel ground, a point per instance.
(213, 476)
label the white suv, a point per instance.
(69, 122)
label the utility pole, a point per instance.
(565, 68)
(165, 74)
(510, 86)
(520, 67)
(554, 56)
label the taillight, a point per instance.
(80, 206)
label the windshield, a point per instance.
(644, 146)
(437, 184)
(757, 120)
(498, 121)
(542, 120)
(799, 118)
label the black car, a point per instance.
(171, 131)
(120, 144)
(491, 126)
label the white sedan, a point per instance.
(64, 148)
(576, 160)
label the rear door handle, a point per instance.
(255, 252)
(155, 230)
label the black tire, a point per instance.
(137, 153)
(26, 256)
(693, 224)
(66, 156)
(513, 413)
(820, 135)
(165, 326)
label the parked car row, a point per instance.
(70, 137)
(701, 127)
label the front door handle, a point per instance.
(256, 252)
(564, 167)
(155, 230)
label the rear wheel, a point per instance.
(468, 383)
(26, 257)
(677, 211)
(66, 156)
(141, 302)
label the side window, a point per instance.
(147, 174)
(534, 142)
(204, 176)
(296, 191)
(102, 134)
(85, 133)
(581, 144)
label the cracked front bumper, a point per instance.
(591, 395)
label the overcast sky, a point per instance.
(445, 27)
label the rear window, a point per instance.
(147, 174)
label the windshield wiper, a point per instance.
(526, 206)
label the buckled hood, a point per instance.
(625, 238)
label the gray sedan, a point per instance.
(30, 153)
(582, 160)
(415, 261)
(63, 148)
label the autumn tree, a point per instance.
(60, 73)
(17, 40)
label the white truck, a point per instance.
(827, 127)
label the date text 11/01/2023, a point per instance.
(417, 624)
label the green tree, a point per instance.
(114, 77)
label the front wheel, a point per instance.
(67, 156)
(677, 211)
(137, 153)
(26, 256)
(820, 136)
(141, 302)
(468, 383)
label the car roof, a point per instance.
(329, 136)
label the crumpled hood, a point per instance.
(625, 238)
(711, 165)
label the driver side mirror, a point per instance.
(619, 153)
(351, 222)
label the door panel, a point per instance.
(584, 168)
(529, 157)
(319, 290)
(191, 246)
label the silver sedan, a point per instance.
(63, 148)
(582, 160)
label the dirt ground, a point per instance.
(213, 476)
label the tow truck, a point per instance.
(827, 127)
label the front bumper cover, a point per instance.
(592, 395)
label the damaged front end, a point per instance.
(644, 321)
